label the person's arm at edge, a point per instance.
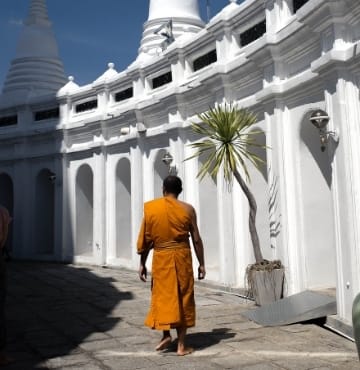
(198, 245)
(5, 224)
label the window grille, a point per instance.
(8, 121)
(162, 80)
(253, 33)
(88, 105)
(47, 114)
(205, 60)
(124, 94)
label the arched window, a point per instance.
(44, 213)
(84, 211)
(209, 223)
(123, 209)
(160, 172)
(317, 209)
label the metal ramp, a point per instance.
(299, 307)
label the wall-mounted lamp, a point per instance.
(320, 119)
(167, 160)
(52, 177)
(141, 128)
(124, 130)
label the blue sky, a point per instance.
(90, 33)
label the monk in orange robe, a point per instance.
(166, 227)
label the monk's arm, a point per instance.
(198, 245)
(143, 249)
(142, 268)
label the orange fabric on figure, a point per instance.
(165, 228)
(5, 219)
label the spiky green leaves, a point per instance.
(227, 140)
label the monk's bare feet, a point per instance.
(185, 351)
(164, 343)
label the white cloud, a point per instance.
(15, 22)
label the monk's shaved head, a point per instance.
(172, 184)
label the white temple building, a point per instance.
(77, 162)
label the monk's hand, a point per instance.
(201, 272)
(142, 273)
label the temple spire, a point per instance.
(36, 69)
(38, 13)
(168, 20)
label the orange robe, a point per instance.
(4, 225)
(165, 228)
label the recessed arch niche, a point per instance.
(44, 209)
(84, 195)
(160, 172)
(317, 209)
(123, 209)
(209, 222)
(258, 185)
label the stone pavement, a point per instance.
(85, 317)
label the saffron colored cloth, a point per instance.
(165, 228)
(4, 225)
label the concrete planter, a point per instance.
(267, 286)
(356, 321)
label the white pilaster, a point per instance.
(345, 189)
(100, 207)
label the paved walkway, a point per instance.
(82, 317)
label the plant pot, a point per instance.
(356, 321)
(267, 286)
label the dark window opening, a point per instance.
(83, 107)
(162, 80)
(124, 94)
(47, 114)
(253, 33)
(8, 121)
(205, 60)
(297, 4)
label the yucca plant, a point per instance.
(227, 145)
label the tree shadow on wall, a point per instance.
(275, 216)
(51, 309)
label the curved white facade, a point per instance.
(105, 148)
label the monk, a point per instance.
(5, 219)
(166, 227)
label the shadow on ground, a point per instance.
(202, 340)
(52, 308)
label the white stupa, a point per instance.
(168, 21)
(36, 69)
